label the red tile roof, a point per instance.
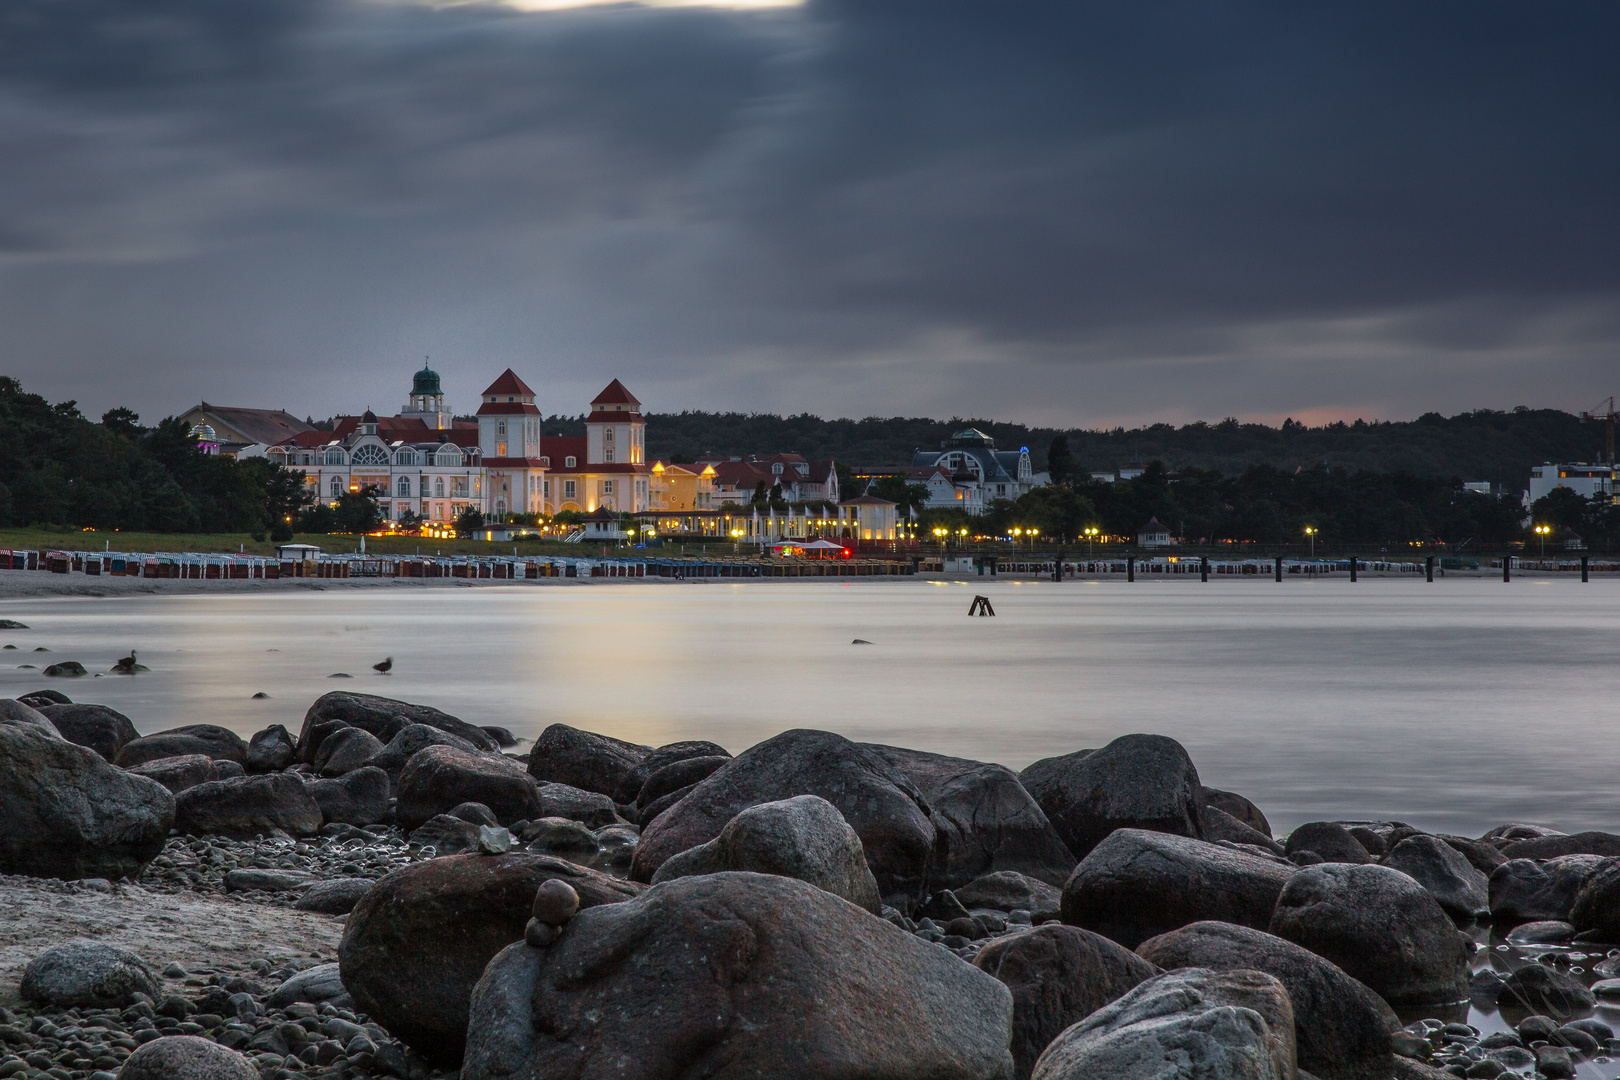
(508, 408)
(615, 394)
(508, 383)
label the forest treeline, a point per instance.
(1481, 445)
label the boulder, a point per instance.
(1328, 839)
(1058, 975)
(804, 837)
(1216, 824)
(1503, 835)
(677, 775)
(45, 697)
(102, 729)
(1451, 879)
(1550, 847)
(336, 896)
(87, 974)
(1341, 1027)
(1135, 782)
(1236, 805)
(663, 757)
(209, 739)
(21, 714)
(1481, 856)
(248, 806)
(1138, 884)
(1596, 911)
(179, 773)
(985, 818)
(418, 941)
(584, 759)
(252, 878)
(321, 983)
(446, 835)
(1540, 991)
(442, 777)
(734, 976)
(187, 1057)
(313, 735)
(561, 836)
(884, 808)
(475, 812)
(587, 807)
(1527, 890)
(502, 736)
(379, 715)
(1008, 890)
(1230, 1025)
(410, 740)
(65, 669)
(1381, 927)
(357, 798)
(270, 750)
(69, 814)
(345, 751)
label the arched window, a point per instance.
(438, 487)
(337, 488)
(370, 454)
(607, 435)
(334, 456)
(404, 487)
(405, 457)
(500, 427)
(569, 462)
(447, 455)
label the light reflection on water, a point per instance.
(1453, 706)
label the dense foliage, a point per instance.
(1481, 445)
(60, 468)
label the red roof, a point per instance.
(508, 408)
(513, 463)
(508, 383)
(615, 394)
(560, 447)
(389, 429)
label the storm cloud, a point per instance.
(1070, 213)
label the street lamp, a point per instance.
(1311, 532)
(1091, 537)
(1541, 535)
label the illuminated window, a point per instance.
(569, 489)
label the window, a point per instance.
(607, 455)
(404, 487)
(500, 427)
(334, 456)
(607, 487)
(370, 454)
(607, 435)
(337, 487)
(547, 491)
(405, 457)
(546, 461)
(438, 487)
(458, 487)
(569, 489)
(500, 449)
(570, 461)
(776, 469)
(447, 455)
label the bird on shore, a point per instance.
(127, 665)
(385, 667)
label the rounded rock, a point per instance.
(555, 902)
(87, 973)
(186, 1057)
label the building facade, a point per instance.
(606, 468)
(969, 473)
(1578, 476)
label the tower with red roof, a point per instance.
(509, 435)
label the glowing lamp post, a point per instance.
(1091, 538)
(1541, 537)
(1311, 532)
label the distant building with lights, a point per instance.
(969, 473)
(1578, 476)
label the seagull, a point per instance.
(385, 666)
(127, 665)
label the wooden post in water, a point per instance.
(1428, 568)
(1279, 568)
(1203, 568)
(1507, 568)
(1352, 568)
(1584, 578)
(1130, 568)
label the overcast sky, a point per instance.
(1071, 213)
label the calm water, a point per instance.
(1454, 705)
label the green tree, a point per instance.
(1060, 462)
(1561, 508)
(468, 522)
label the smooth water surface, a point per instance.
(1454, 705)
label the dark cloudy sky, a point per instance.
(1073, 213)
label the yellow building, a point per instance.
(607, 468)
(678, 488)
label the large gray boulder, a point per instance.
(587, 807)
(179, 773)
(335, 896)
(1451, 879)
(270, 750)
(1135, 782)
(103, 730)
(1216, 824)
(1008, 890)
(1229, 802)
(986, 820)
(411, 740)
(1058, 975)
(355, 798)
(675, 776)
(87, 974)
(733, 976)
(880, 803)
(1604, 844)
(441, 778)
(584, 759)
(187, 1057)
(804, 837)
(1596, 911)
(1138, 884)
(419, 939)
(1195, 1023)
(1530, 890)
(1342, 1028)
(69, 814)
(219, 743)
(15, 713)
(247, 806)
(635, 781)
(318, 984)
(1381, 927)
(384, 717)
(1328, 840)
(345, 751)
